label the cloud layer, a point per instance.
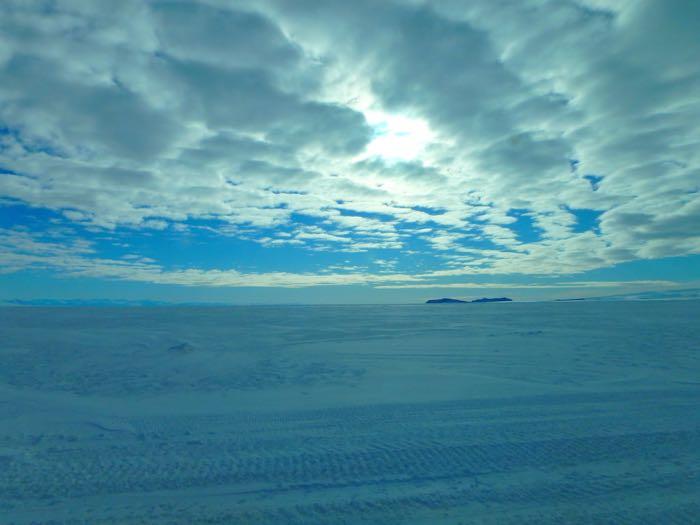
(285, 124)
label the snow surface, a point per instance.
(490, 413)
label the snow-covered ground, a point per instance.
(490, 413)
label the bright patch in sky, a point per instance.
(397, 137)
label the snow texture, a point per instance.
(502, 413)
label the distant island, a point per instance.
(492, 300)
(447, 300)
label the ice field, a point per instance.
(490, 413)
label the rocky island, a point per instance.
(492, 300)
(447, 300)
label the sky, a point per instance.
(332, 151)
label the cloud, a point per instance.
(267, 119)
(22, 251)
(56, 251)
(224, 37)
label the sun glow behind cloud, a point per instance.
(397, 137)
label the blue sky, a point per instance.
(334, 151)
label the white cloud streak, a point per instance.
(20, 250)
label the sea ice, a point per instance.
(489, 413)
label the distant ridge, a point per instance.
(447, 300)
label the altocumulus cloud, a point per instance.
(267, 122)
